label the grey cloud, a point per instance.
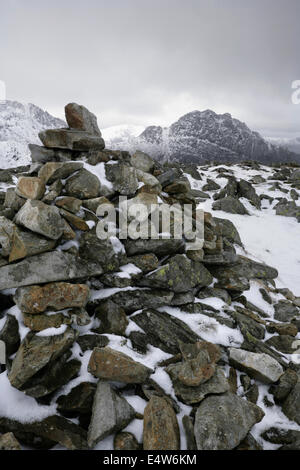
(144, 62)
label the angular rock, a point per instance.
(83, 185)
(79, 117)
(285, 311)
(36, 352)
(41, 154)
(158, 247)
(93, 204)
(78, 401)
(289, 437)
(248, 324)
(30, 187)
(41, 218)
(75, 221)
(164, 331)
(142, 161)
(286, 383)
(191, 395)
(161, 430)
(108, 364)
(284, 343)
(189, 432)
(54, 191)
(89, 342)
(231, 205)
(43, 322)
(61, 430)
(25, 433)
(53, 171)
(12, 200)
(25, 244)
(52, 377)
(222, 422)
(136, 299)
(198, 364)
(245, 189)
(48, 267)
(111, 413)
(259, 366)
(180, 274)
(123, 178)
(71, 204)
(70, 139)
(100, 251)
(9, 334)
(236, 277)
(290, 406)
(125, 441)
(9, 442)
(7, 228)
(282, 328)
(227, 230)
(55, 296)
(112, 317)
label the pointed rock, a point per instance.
(111, 413)
(41, 218)
(79, 117)
(36, 352)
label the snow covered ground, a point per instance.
(266, 238)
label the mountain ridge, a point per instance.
(197, 137)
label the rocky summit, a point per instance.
(117, 331)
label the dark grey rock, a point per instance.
(180, 274)
(83, 185)
(70, 139)
(47, 267)
(164, 331)
(231, 205)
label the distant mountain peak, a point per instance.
(19, 125)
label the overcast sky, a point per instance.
(150, 61)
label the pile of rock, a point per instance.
(75, 290)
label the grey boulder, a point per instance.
(222, 422)
(41, 218)
(111, 413)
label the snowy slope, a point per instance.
(19, 126)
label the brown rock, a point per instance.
(283, 329)
(108, 364)
(125, 441)
(54, 170)
(79, 117)
(68, 232)
(30, 187)
(42, 322)
(9, 442)
(161, 431)
(71, 204)
(77, 222)
(57, 296)
(26, 244)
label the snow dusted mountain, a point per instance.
(197, 137)
(205, 136)
(19, 126)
